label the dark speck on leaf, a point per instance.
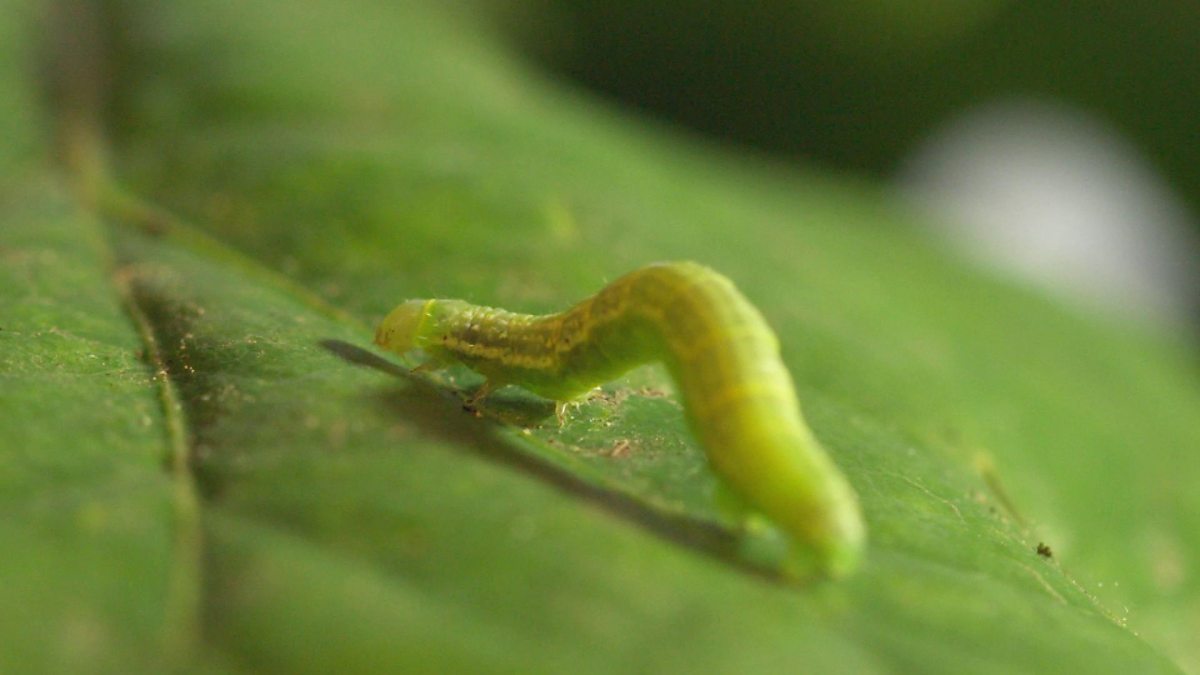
(1044, 551)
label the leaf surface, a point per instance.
(281, 178)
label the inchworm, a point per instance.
(738, 395)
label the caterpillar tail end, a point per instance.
(834, 554)
(837, 554)
(842, 559)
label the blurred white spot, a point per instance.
(1051, 194)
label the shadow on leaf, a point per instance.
(425, 404)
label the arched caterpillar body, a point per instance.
(738, 395)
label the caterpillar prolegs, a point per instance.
(738, 396)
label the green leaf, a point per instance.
(98, 571)
(277, 497)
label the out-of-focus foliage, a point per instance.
(856, 84)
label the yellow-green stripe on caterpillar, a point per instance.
(738, 395)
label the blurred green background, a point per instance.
(1080, 108)
(855, 86)
(206, 206)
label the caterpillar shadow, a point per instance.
(438, 412)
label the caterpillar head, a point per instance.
(399, 329)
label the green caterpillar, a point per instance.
(738, 395)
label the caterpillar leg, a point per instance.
(427, 367)
(563, 408)
(482, 392)
(732, 506)
(759, 540)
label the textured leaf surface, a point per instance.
(282, 178)
(95, 571)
